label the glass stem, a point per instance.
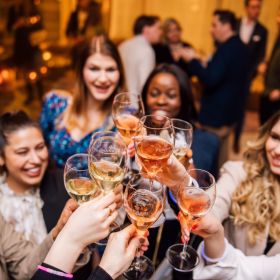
(137, 263)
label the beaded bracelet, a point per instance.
(55, 272)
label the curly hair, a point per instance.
(256, 201)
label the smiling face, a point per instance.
(26, 158)
(163, 96)
(101, 76)
(272, 148)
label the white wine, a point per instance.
(194, 202)
(82, 189)
(107, 174)
(153, 153)
(143, 208)
(128, 126)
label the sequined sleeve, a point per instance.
(53, 106)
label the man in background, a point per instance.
(225, 79)
(137, 54)
(254, 35)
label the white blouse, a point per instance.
(24, 211)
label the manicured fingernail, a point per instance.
(194, 227)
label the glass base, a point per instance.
(181, 261)
(140, 270)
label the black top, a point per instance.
(97, 274)
(225, 79)
(164, 55)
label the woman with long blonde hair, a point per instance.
(69, 119)
(248, 196)
(248, 205)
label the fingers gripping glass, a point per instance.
(78, 182)
(195, 199)
(107, 165)
(143, 204)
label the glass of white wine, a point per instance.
(107, 165)
(107, 161)
(78, 182)
(183, 140)
(127, 110)
(195, 199)
(155, 144)
(143, 204)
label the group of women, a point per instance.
(32, 195)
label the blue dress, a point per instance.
(61, 145)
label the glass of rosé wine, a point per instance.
(154, 145)
(127, 110)
(195, 199)
(143, 204)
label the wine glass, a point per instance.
(183, 140)
(107, 159)
(78, 182)
(127, 109)
(155, 143)
(107, 165)
(195, 199)
(143, 204)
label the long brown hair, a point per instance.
(256, 202)
(77, 109)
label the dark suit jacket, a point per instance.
(225, 79)
(256, 46)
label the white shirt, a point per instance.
(246, 30)
(23, 211)
(236, 266)
(138, 58)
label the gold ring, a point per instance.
(110, 211)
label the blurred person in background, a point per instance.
(24, 20)
(254, 35)
(84, 22)
(225, 79)
(137, 53)
(68, 120)
(169, 50)
(270, 101)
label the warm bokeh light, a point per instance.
(43, 70)
(47, 55)
(32, 76)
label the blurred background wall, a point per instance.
(118, 17)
